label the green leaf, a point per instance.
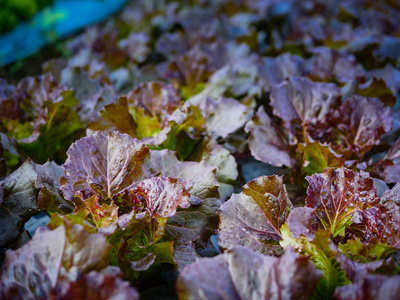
(115, 116)
(128, 225)
(60, 128)
(183, 132)
(317, 247)
(325, 259)
(146, 125)
(102, 215)
(135, 249)
(17, 129)
(188, 92)
(164, 254)
(360, 252)
(378, 89)
(78, 217)
(316, 157)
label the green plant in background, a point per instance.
(44, 3)
(14, 11)
(8, 20)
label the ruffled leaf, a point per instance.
(378, 225)
(360, 252)
(137, 46)
(103, 165)
(115, 167)
(93, 93)
(240, 273)
(297, 233)
(51, 137)
(18, 203)
(50, 195)
(388, 168)
(336, 195)
(142, 113)
(115, 116)
(253, 218)
(317, 157)
(156, 98)
(97, 285)
(373, 287)
(359, 123)
(223, 116)
(36, 117)
(328, 64)
(357, 272)
(51, 257)
(102, 215)
(274, 70)
(300, 102)
(163, 195)
(183, 131)
(266, 142)
(219, 157)
(189, 70)
(201, 219)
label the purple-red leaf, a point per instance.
(374, 287)
(330, 64)
(94, 285)
(300, 102)
(18, 202)
(388, 168)
(266, 142)
(378, 224)
(201, 219)
(61, 255)
(253, 218)
(156, 98)
(336, 195)
(359, 123)
(163, 195)
(103, 165)
(242, 274)
(50, 195)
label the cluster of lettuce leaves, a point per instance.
(133, 145)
